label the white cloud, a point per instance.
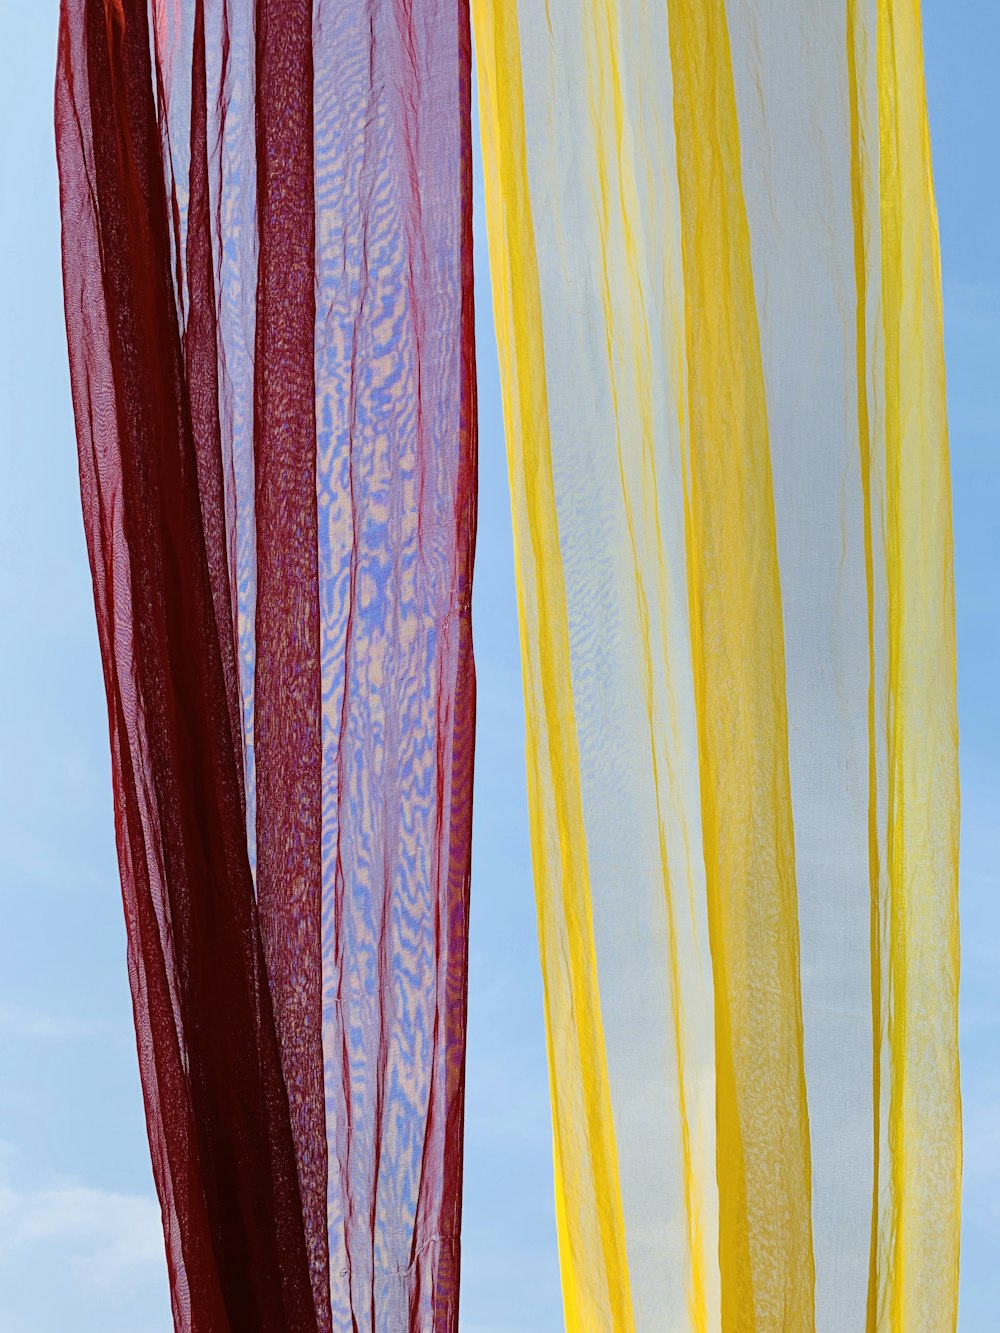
(113, 1238)
(109, 1241)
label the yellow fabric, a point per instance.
(915, 1270)
(717, 300)
(587, 1195)
(765, 1251)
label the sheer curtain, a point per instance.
(717, 295)
(717, 299)
(267, 260)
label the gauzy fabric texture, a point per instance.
(267, 259)
(717, 298)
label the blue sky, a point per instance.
(80, 1246)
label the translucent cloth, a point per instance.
(717, 299)
(267, 262)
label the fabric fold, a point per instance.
(269, 314)
(717, 304)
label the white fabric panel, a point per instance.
(613, 347)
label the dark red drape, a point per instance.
(267, 265)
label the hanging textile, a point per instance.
(717, 299)
(267, 263)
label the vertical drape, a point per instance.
(717, 299)
(267, 264)
(717, 296)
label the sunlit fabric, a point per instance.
(717, 299)
(267, 260)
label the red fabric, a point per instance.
(287, 703)
(267, 268)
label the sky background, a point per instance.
(80, 1242)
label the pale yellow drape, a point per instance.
(715, 275)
